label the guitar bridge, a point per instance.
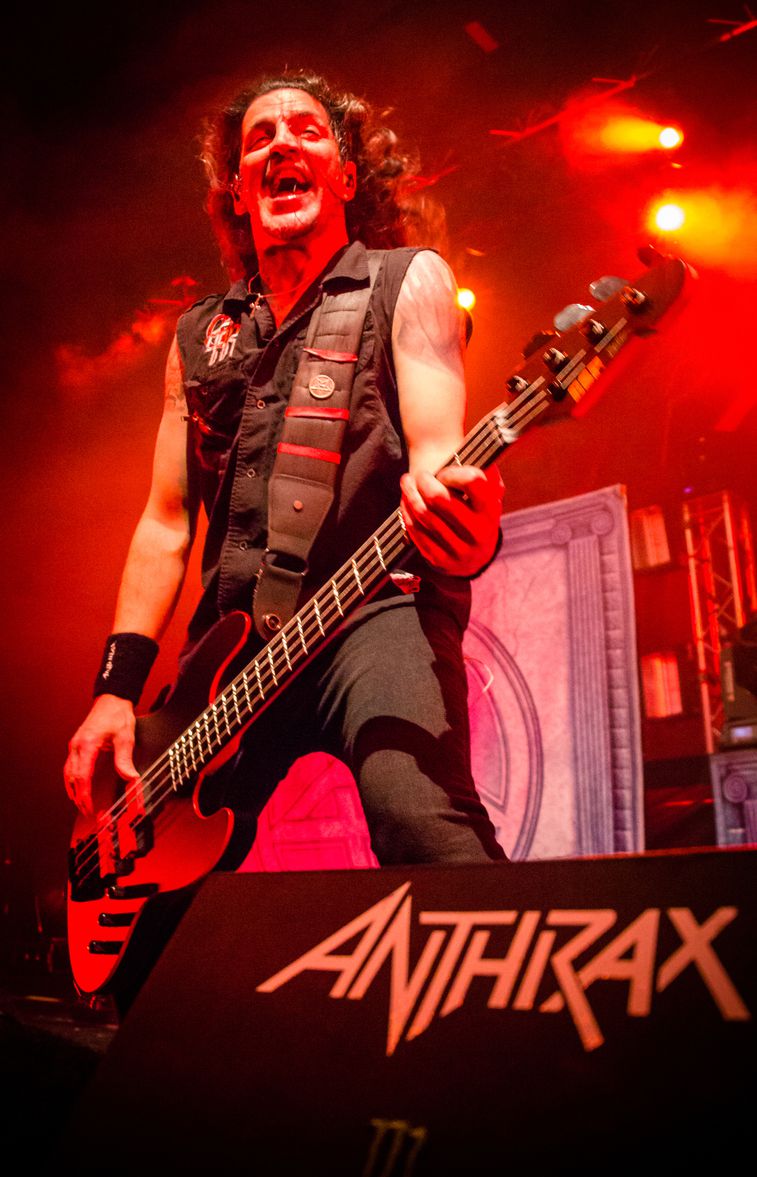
(96, 862)
(84, 871)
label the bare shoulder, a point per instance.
(427, 319)
(428, 282)
(428, 271)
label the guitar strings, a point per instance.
(485, 441)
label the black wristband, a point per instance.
(127, 662)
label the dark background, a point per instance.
(102, 198)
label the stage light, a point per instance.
(614, 131)
(713, 226)
(633, 135)
(670, 137)
(669, 217)
(466, 298)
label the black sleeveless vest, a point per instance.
(238, 373)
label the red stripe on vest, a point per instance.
(325, 413)
(309, 451)
(341, 357)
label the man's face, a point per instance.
(291, 179)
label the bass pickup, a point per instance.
(136, 891)
(116, 919)
(105, 947)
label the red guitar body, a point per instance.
(120, 857)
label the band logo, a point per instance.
(220, 339)
(454, 952)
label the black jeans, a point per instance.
(388, 697)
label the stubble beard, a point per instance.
(289, 226)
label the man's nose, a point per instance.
(284, 138)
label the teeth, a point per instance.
(287, 185)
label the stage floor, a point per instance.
(50, 1045)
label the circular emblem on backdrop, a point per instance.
(506, 741)
(321, 386)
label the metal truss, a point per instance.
(721, 568)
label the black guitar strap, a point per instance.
(303, 481)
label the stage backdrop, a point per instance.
(554, 704)
(554, 699)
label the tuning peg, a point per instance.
(574, 313)
(606, 287)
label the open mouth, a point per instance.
(288, 185)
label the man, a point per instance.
(300, 177)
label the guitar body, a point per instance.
(118, 863)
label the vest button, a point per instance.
(251, 472)
(260, 404)
(243, 545)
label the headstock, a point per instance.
(562, 366)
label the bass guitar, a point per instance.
(153, 835)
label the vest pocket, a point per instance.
(214, 407)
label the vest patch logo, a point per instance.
(453, 953)
(220, 339)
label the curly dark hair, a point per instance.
(391, 206)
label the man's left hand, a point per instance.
(453, 517)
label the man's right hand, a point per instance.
(109, 725)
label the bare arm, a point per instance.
(452, 514)
(157, 561)
(150, 587)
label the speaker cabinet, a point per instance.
(588, 1015)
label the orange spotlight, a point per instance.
(629, 135)
(466, 298)
(614, 130)
(715, 226)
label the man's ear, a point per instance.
(234, 191)
(349, 177)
